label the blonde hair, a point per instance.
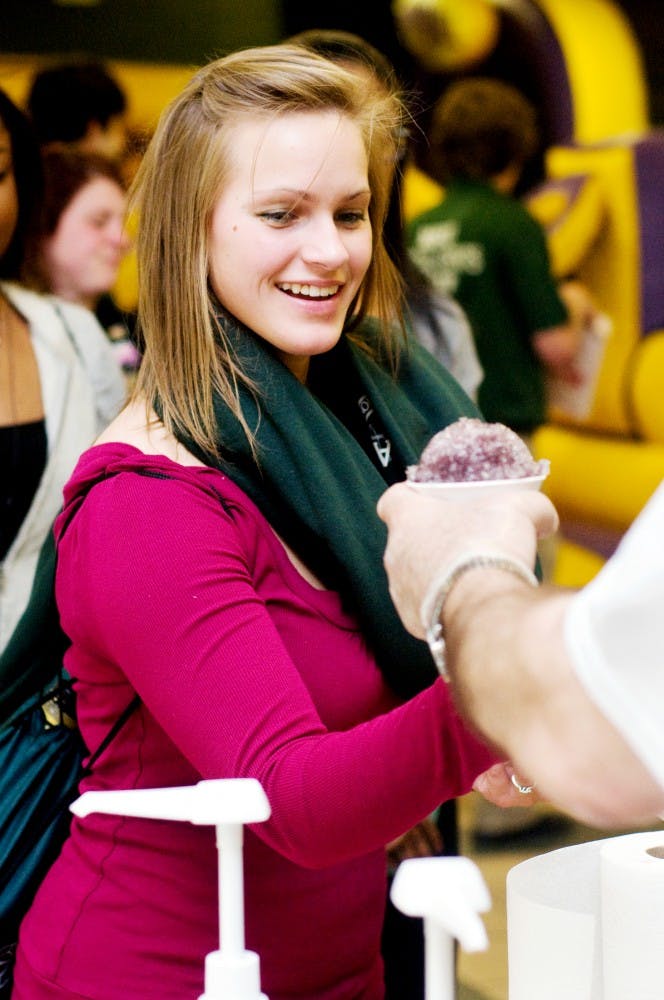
(187, 356)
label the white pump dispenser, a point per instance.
(232, 973)
(448, 893)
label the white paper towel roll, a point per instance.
(632, 893)
(553, 943)
(587, 922)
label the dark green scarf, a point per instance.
(318, 488)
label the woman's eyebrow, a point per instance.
(303, 195)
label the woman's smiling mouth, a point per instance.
(308, 291)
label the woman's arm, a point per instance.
(169, 597)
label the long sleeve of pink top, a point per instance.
(172, 584)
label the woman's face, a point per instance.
(8, 195)
(83, 255)
(290, 237)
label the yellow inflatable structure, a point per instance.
(602, 204)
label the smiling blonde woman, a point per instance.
(222, 556)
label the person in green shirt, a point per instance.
(481, 246)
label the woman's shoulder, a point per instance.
(137, 442)
(123, 486)
(139, 427)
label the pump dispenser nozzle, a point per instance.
(449, 893)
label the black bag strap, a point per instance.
(110, 736)
(129, 710)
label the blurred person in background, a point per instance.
(59, 386)
(78, 241)
(483, 247)
(79, 105)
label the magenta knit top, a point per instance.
(178, 589)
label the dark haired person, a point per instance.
(483, 247)
(59, 382)
(79, 239)
(80, 105)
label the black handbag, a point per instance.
(40, 767)
(41, 755)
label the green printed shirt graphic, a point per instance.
(440, 254)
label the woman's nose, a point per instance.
(324, 245)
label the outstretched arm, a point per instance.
(511, 671)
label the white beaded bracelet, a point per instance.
(434, 601)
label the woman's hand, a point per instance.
(499, 785)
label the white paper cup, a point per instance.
(478, 488)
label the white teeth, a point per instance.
(309, 291)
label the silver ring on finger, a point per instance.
(524, 789)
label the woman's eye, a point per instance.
(351, 218)
(277, 217)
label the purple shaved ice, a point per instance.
(471, 450)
